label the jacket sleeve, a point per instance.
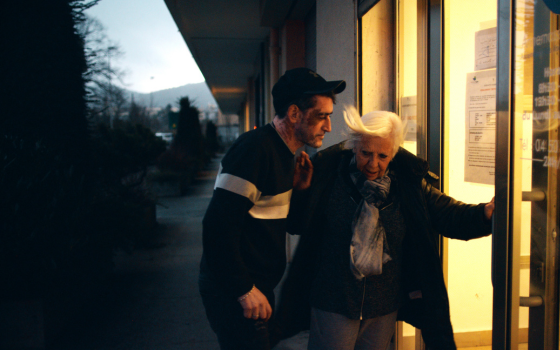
(222, 227)
(455, 219)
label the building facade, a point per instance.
(477, 84)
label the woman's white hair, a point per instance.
(378, 123)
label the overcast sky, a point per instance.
(155, 55)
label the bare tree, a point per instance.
(106, 100)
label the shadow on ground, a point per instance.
(151, 301)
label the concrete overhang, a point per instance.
(275, 12)
(225, 38)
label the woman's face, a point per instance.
(373, 155)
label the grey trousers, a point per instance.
(331, 331)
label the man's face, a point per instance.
(315, 122)
(373, 155)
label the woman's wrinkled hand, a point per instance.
(256, 306)
(303, 172)
(489, 209)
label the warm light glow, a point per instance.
(469, 263)
(227, 90)
(255, 127)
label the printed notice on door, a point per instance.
(485, 49)
(480, 138)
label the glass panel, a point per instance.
(378, 60)
(407, 83)
(378, 69)
(469, 138)
(536, 114)
(389, 78)
(407, 57)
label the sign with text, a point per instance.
(480, 127)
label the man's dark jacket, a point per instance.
(428, 213)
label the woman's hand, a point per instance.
(303, 172)
(256, 305)
(489, 209)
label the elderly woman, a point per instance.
(368, 254)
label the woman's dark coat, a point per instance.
(428, 213)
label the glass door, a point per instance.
(469, 130)
(389, 62)
(525, 266)
(408, 62)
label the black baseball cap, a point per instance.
(298, 82)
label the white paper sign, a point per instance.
(408, 115)
(485, 48)
(480, 128)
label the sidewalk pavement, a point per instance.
(154, 301)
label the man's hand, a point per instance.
(256, 306)
(303, 172)
(489, 209)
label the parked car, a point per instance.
(166, 136)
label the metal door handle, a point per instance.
(530, 301)
(526, 196)
(533, 196)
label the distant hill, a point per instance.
(198, 92)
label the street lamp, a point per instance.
(151, 95)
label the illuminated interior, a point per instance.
(407, 62)
(468, 25)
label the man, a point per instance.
(244, 229)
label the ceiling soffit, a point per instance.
(224, 37)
